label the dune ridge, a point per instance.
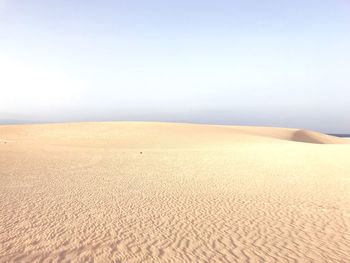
(83, 192)
(143, 131)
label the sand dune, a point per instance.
(147, 134)
(83, 192)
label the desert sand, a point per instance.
(166, 192)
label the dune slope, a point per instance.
(162, 192)
(153, 135)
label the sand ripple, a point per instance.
(278, 202)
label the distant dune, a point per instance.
(148, 134)
(172, 192)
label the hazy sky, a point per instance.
(280, 63)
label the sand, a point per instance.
(84, 192)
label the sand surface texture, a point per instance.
(84, 192)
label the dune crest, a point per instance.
(152, 134)
(315, 137)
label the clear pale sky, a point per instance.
(275, 63)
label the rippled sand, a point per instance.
(148, 192)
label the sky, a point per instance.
(253, 62)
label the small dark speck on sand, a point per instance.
(140, 152)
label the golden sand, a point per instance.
(84, 192)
